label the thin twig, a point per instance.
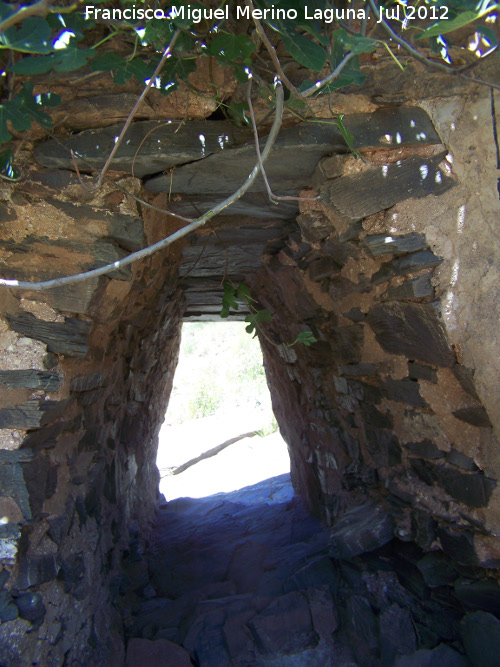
(328, 79)
(153, 129)
(272, 52)
(138, 103)
(273, 198)
(160, 245)
(117, 185)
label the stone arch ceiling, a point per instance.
(391, 267)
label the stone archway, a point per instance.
(393, 269)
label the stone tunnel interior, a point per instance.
(391, 418)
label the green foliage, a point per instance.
(32, 36)
(23, 109)
(306, 338)
(213, 358)
(256, 319)
(348, 137)
(64, 41)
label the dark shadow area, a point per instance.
(251, 578)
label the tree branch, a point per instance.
(160, 245)
(137, 104)
(272, 52)
(40, 8)
(328, 79)
(273, 198)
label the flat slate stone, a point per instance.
(403, 391)
(382, 187)
(168, 145)
(360, 530)
(466, 378)
(420, 372)
(476, 416)
(481, 637)
(483, 595)
(30, 414)
(437, 569)
(441, 656)
(31, 379)
(87, 382)
(68, 338)
(425, 449)
(472, 489)
(418, 288)
(423, 259)
(158, 653)
(412, 329)
(388, 244)
(155, 146)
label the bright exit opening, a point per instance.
(219, 394)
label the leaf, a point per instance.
(24, 108)
(158, 33)
(243, 293)
(348, 137)
(355, 43)
(32, 36)
(306, 52)
(256, 319)
(228, 300)
(228, 47)
(237, 111)
(446, 25)
(174, 71)
(64, 60)
(306, 338)
(123, 69)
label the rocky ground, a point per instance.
(250, 578)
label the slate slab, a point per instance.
(389, 244)
(151, 146)
(360, 530)
(481, 637)
(414, 330)
(68, 338)
(418, 288)
(385, 186)
(476, 416)
(423, 259)
(441, 656)
(31, 379)
(158, 653)
(285, 626)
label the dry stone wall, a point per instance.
(85, 375)
(391, 402)
(393, 267)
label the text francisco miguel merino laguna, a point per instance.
(197, 14)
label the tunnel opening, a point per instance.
(389, 416)
(219, 432)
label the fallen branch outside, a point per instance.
(212, 452)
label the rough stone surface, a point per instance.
(393, 404)
(361, 530)
(158, 653)
(481, 636)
